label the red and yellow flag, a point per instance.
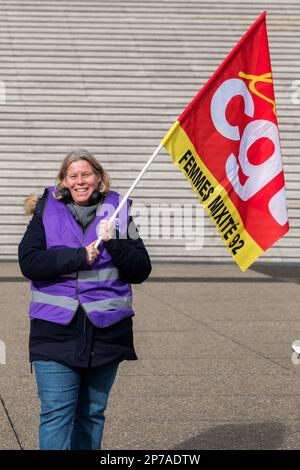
(226, 142)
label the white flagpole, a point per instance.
(124, 199)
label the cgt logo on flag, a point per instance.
(258, 173)
(227, 144)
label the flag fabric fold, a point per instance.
(226, 143)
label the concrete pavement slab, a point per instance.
(259, 330)
(19, 293)
(215, 300)
(157, 316)
(191, 435)
(203, 384)
(210, 407)
(20, 398)
(249, 364)
(10, 269)
(14, 327)
(186, 345)
(214, 367)
(8, 440)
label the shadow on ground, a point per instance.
(265, 435)
(279, 272)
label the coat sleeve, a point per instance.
(130, 256)
(39, 264)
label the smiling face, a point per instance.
(81, 181)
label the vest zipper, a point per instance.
(77, 281)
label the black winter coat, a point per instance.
(79, 344)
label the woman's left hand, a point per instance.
(106, 230)
(91, 253)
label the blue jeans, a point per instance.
(73, 402)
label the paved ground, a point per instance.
(214, 367)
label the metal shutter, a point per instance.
(112, 77)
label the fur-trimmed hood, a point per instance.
(30, 203)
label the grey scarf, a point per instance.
(83, 214)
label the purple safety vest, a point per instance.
(104, 296)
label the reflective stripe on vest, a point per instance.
(72, 304)
(57, 300)
(99, 275)
(108, 304)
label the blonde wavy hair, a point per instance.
(97, 168)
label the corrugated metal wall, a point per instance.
(112, 77)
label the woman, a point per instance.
(81, 308)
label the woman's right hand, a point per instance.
(91, 253)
